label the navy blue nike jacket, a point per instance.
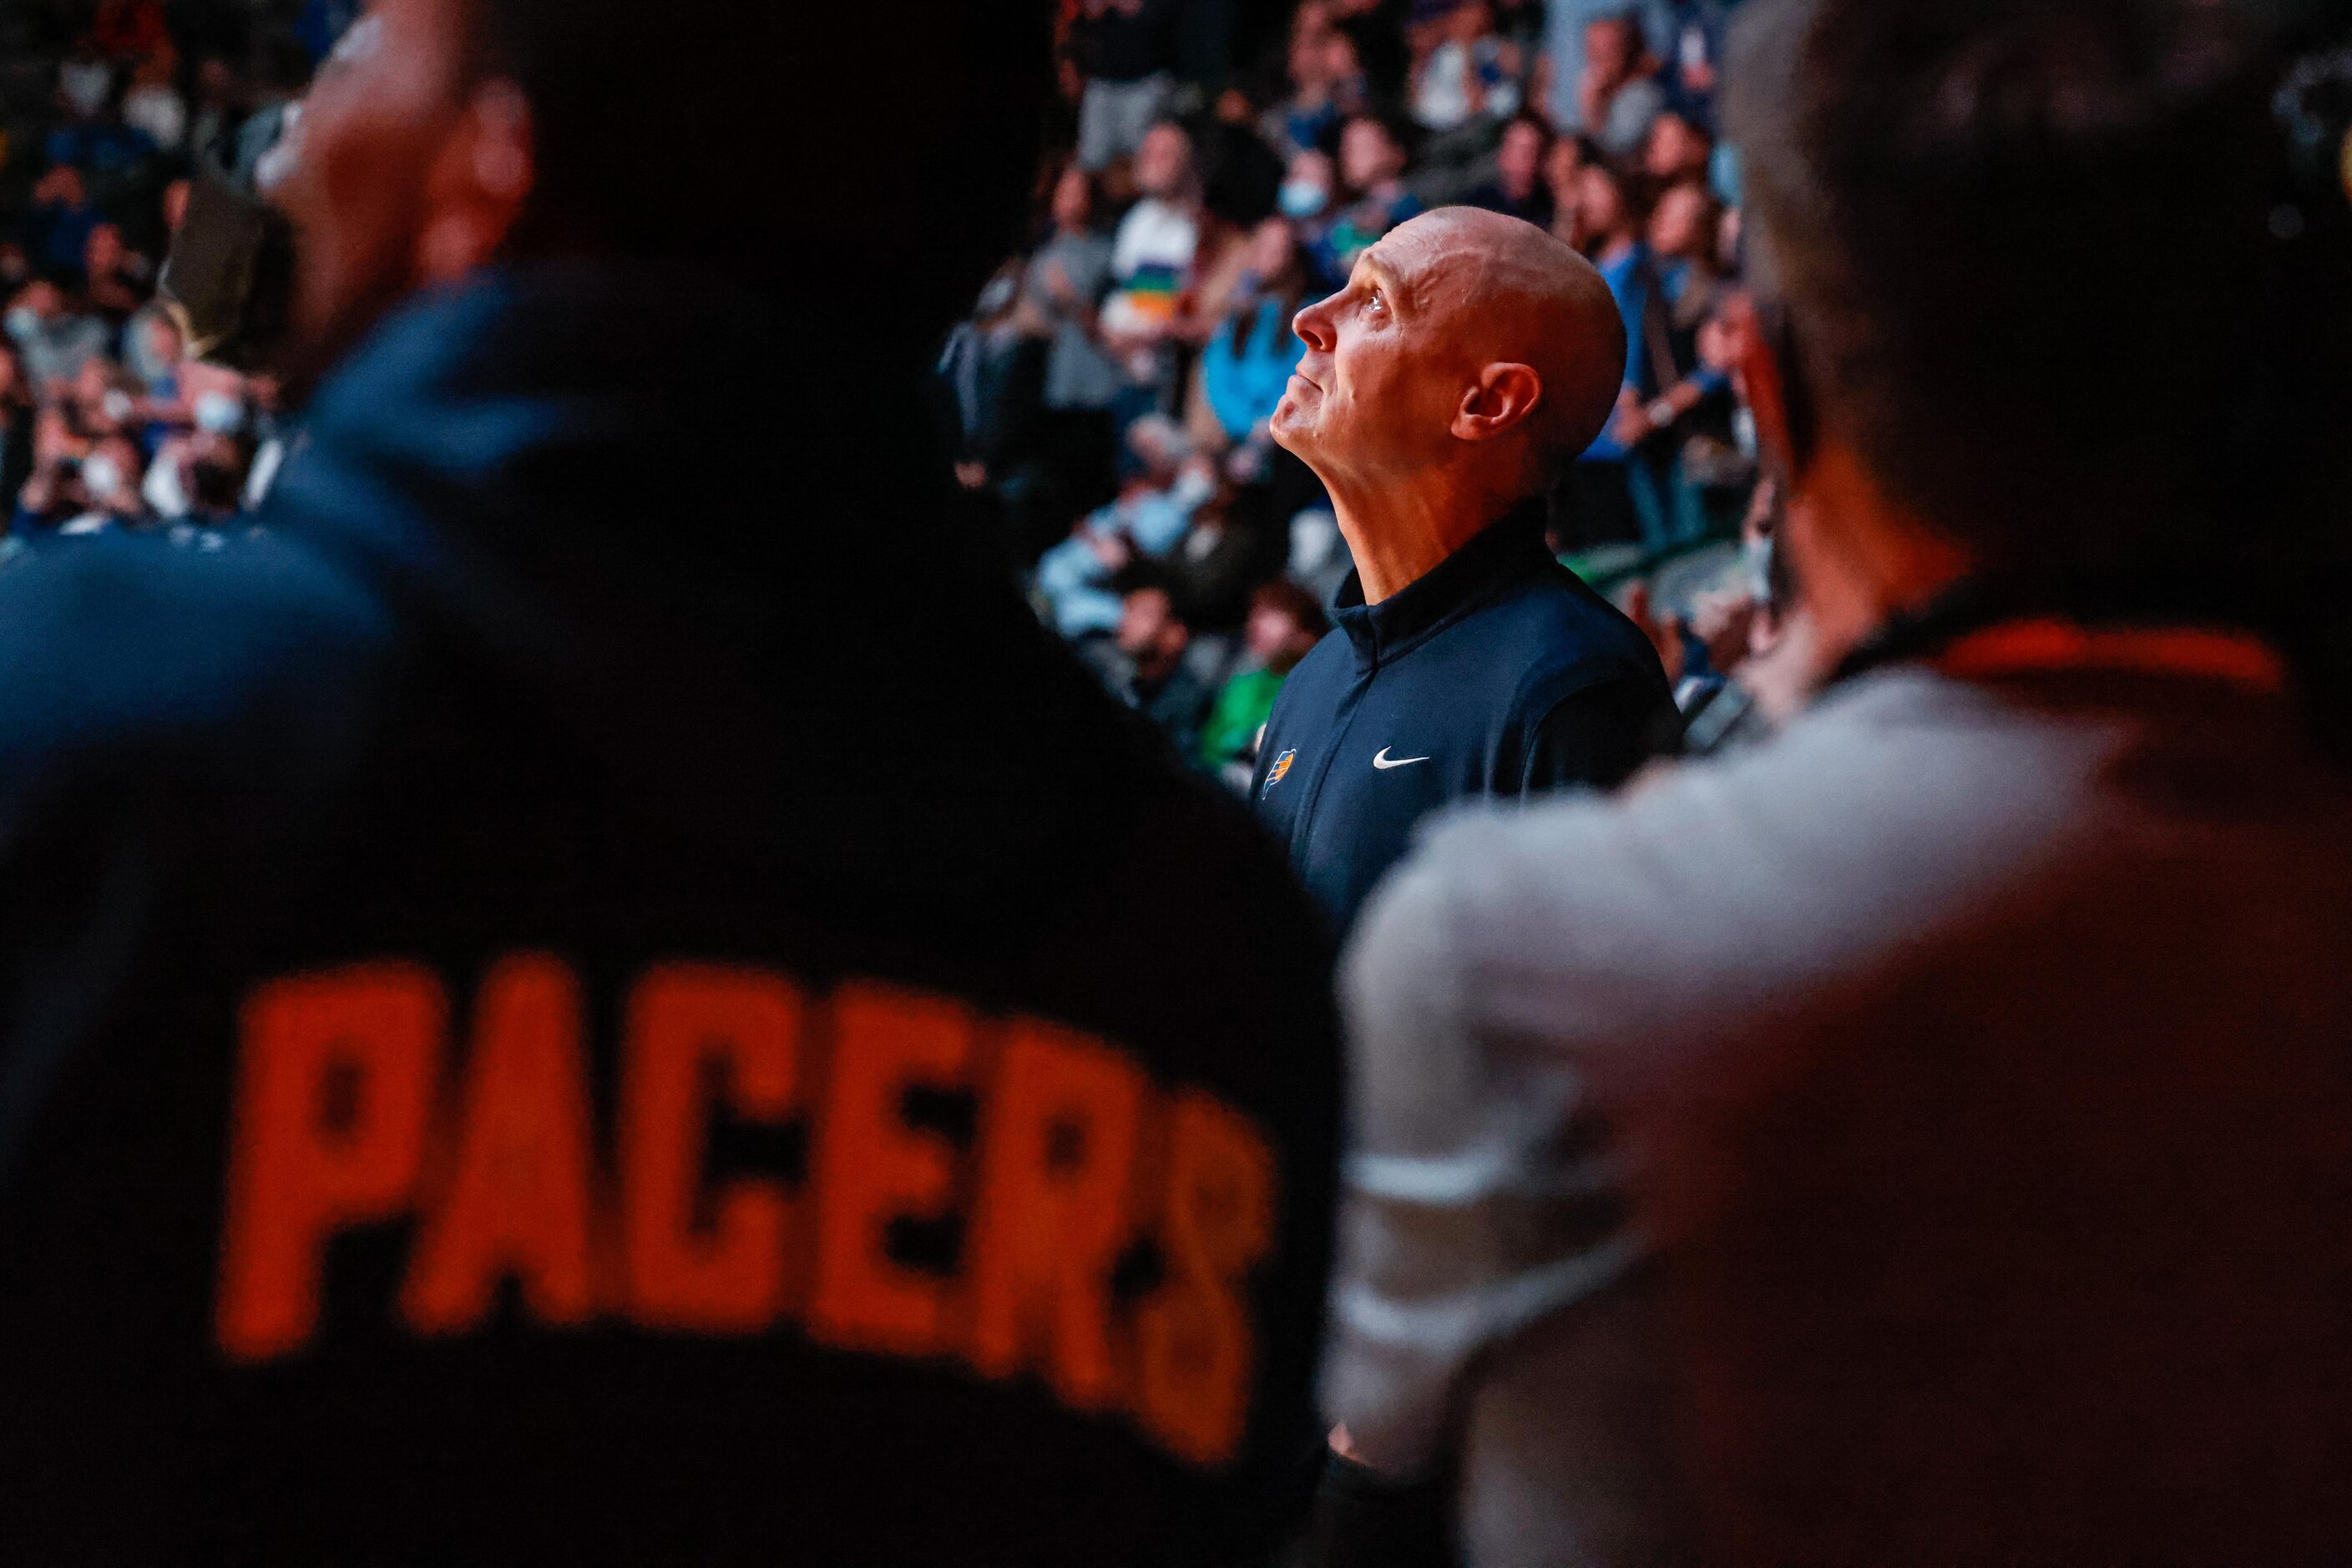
(578, 1003)
(1498, 674)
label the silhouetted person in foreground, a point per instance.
(555, 1009)
(1922, 1139)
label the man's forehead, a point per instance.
(1406, 257)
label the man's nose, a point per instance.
(1313, 326)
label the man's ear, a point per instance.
(479, 185)
(1504, 397)
(1766, 353)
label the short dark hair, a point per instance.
(2032, 266)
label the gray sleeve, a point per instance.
(1478, 1200)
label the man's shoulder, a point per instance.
(1889, 811)
(124, 642)
(1561, 637)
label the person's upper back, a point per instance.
(546, 1020)
(1979, 1047)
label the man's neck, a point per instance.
(1399, 535)
(1861, 560)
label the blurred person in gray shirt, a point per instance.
(1926, 1137)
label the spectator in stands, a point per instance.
(1470, 76)
(993, 372)
(1563, 175)
(1675, 150)
(1155, 508)
(111, 475)
(1677, 295)
(1068, 279)
(1310, 192)
(1326, 84)
(1619, 96)
(1227, 553)
(1519, 187)
(113, 280)
(54, 340)
(1374, 200)
(1152, 259)
(1619, 491)
(1128, 51)
(1697, 29)
(1285, 623)
(152, 105)
(1961, 1075)
(63, 216)
(1155, 678)
(1248, 362)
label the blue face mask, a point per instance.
(24, 323)
(1303, 199)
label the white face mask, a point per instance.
(101, 478)
(118, 405)
(218, 413)
(86, 87)
(1303, 199)
(24, 323)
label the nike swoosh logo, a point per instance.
(1384, 763)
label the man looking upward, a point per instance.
(1470, 359)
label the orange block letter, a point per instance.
(684, 1019)
(334, 1085)
(869, 1167)
(1195, 1339)
(1057, 1159)
(516, 1198)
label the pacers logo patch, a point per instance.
(1281, 768)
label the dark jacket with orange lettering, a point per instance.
(543, 1018)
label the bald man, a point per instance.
(1469, 361)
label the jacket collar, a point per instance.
(1508, 550)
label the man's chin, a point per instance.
(1289, 432)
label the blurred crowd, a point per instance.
(106, 420)
(1113, 388)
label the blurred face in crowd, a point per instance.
(1308, 184)
(102, 255)
(1563, 167)
(1341, 64)
(1520, 159)
(1149, 632)
(1675, 149)
(1684, 225)
(1609, 48)
(1074, 199)
(176, 204)
(1310, 59)
(1275, 639)
(1599, 201)
(1368, 156)
(43, 300)
(399, 173)
(1271, 248)
(162, 344)
(1464, 339)
(1164, 162)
